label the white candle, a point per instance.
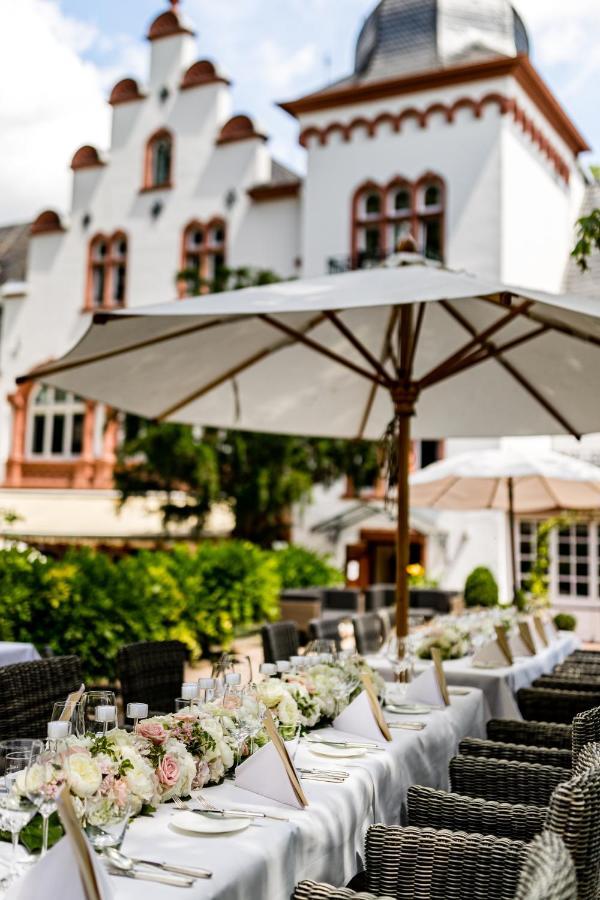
(206, 684)
(233, 678)
(137, 710)
(106, 713)
(268, 669)
(283, 665)
(57, 730)
(189, 691)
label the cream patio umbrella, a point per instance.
(433, 351)
(517, 481)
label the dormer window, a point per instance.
(159, 161)
(372, 205)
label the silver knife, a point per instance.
(191, 871)
(225, 813)
(171, 880)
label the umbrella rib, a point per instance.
(555, 325)
(386, 353)
(525, 384)
(319, 348)
(551, 492)
(40, 373)
(235, 370)
(358, 345)
(490, 351)
(478, 337)
(415, 338)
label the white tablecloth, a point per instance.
(11, 652)
(498, 685)
(324, 841)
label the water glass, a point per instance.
(21, 746)
(43, 780)
(16, 811)
(87, 718)
(105, 823)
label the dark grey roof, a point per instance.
(14, 240)
(280, 174)
(588, 282)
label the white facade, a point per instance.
(482, 125)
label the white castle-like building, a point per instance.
(444, 131)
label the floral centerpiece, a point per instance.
(452, 641)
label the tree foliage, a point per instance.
(588, 238)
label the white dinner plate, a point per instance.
(337, 752)
(407, 709)
(189, 821)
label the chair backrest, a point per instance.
(586, 729)
(547, 705)
(548, 872)
(313, 890)
(379, 596)
(326, 630)
(280, 640)
(568, 683)
(368, 632)
(345, 599)
(437, 864)
(574, 814)
(152, 672)
(28, 691)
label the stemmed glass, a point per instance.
(321, 647)
(233, 662)
(89, 719)
(43, 780)
(16, 811)
(21, 746)
(398, 652)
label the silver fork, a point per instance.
(210, 807)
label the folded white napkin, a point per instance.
(539, 644)
(264, 773)
(489, 655)
(358, 719)
(57, 875)
(425, 689)
(518, 647)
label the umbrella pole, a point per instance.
(404, 411)
(511, 528)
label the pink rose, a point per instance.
(121, 792)
(152, 731)
(185, 717)
(168, 771)
(202, 775)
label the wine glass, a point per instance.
(16, 810)
(252, 714)
(21, 746)
(398, 652)
(321, 647)
(89, 721)
(43, 780)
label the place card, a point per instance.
(369, 687)
(539, 626)
(489, 656)
(360, 717)
(440, 674)
(503, 644)
(527, 637)
(425, 688)
(270, 771)
(71, 702)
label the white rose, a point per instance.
(83, 774)
(31, 780)
(271, 692)
(287, 710)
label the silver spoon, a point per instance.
(127, 863)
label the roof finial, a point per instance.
(174, 3)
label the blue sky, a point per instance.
(272, 49)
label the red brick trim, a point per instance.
(519, 67)
(264, 193)
(506, 106)
(86, 157)
(201, 73)
(125, 91)
(239, 128)
(48, 222)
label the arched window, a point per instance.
(385, 215)
(107, 274)
(55, 424)
(159, 161)
(203, 256)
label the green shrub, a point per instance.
(565, 622)
(301, 568)
(481, 588)
(89, 605)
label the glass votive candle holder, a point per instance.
(106, 715)
(267, 669)
(137, 711)
(206, 689)
(233, 678)
(57, 731)
(297, 662)
(283, 666)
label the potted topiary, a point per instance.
(481, 588)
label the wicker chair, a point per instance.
(548, 873)
(547, 705)
(152, 672)
(506, 780)
(326, 630)
(313, 890)
(534, 734)
(570, 682)
(280, 640)
(369, 632)
(29, 690)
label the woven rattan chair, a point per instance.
(548, 873)
(547, 705)
(313, 890)
(549, 756)
(152, 672)
(28, 691)
(280, 640)
(368, 632)
(568, 683)
(326, 630)
(533, 734)
(505, 780)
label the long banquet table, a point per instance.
(14, 652)
(323, 841)
(499, 685)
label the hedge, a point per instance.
(90, 605)
(481, 588)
